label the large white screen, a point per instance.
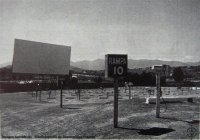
(40, 58)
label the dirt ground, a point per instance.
(24, 116)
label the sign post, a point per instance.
(115, 67)
(115, 102)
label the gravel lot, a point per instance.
(92, 116)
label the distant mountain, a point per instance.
(148, 63)
(75, 69)
(5, 64)
(8, 65)
(99, 64)
(194, 63)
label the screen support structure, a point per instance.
(40, 88)
(60, 85)
(115, 102)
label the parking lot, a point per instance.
(92, 116)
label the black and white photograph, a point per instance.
(99, 69)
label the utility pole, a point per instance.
(158, 95)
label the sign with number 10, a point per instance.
(116, 65)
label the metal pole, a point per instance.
(61, 104)
(115, 102)
(36, 95)
(129, 92)
(158, 95)
(79, 94)
(40, 96)
(50, 94)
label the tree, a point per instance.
(135, 79)
(128, 77)
(98, 80)
(73, 82)
(162, 80)
(178, 74)
(147, 79)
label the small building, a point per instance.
(165, 69)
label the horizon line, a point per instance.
(128, 59)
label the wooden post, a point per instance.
(125, 87)
(36, 95)
(40, 96)
(61, 96)
(158, 95)
(50, 93)
(79, 94)
(115, 102)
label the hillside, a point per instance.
(99, 64)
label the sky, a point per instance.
(143, 29)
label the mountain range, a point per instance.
(99, 64)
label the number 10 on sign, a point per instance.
(118, 70)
